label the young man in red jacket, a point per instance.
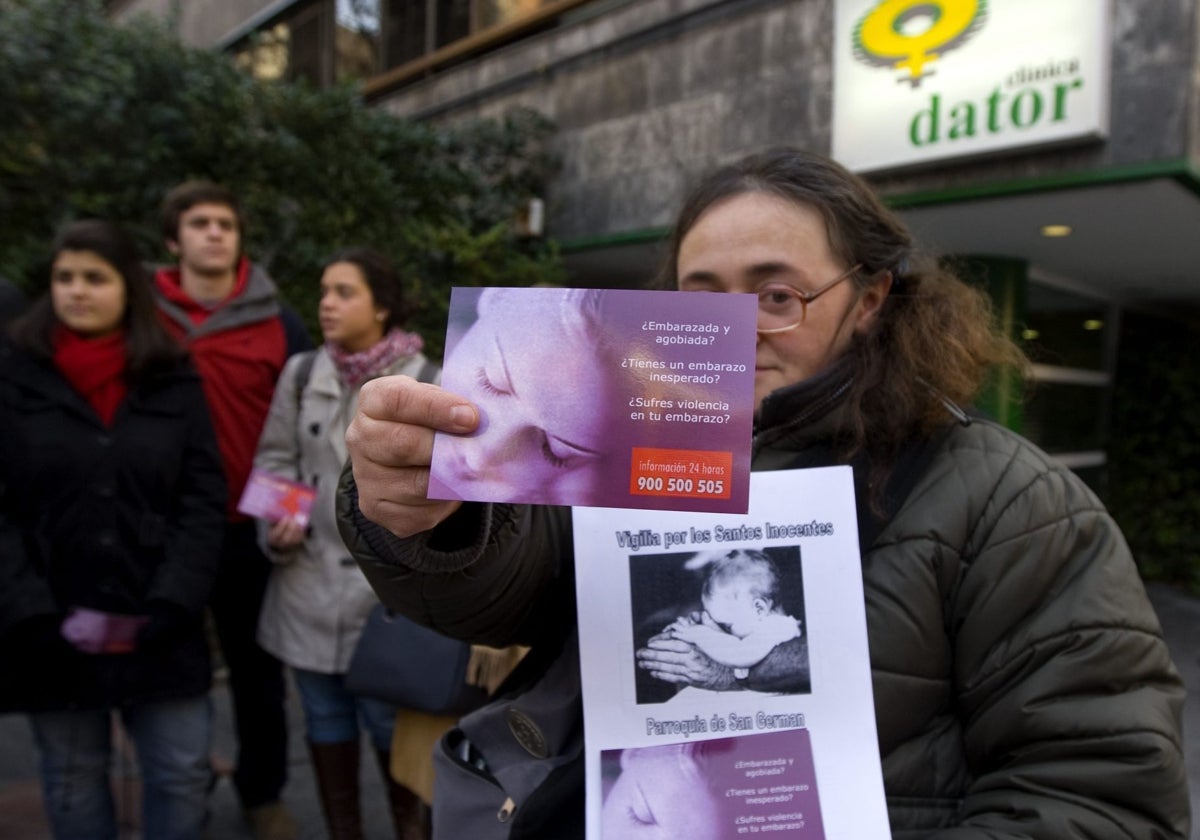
(227, 311)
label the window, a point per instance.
(487, 13)
(407, 30)
(356, 36)
(328, 41)
(1069, 338)
(417, 27)
(1066, 417)
(453, 22)
(1064, 329)
(304, 53)
(290, 48)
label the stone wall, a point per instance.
(647, 94)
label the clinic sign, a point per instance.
(917, 81)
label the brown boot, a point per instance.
(410, 815)
(336, 769)
(271, 821)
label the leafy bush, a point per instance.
(101, 120)
(1155, 451)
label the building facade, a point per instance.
(1053, 148)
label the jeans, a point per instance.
(255, 676)
(331, 713)
(172, 740)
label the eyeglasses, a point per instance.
(782, 308)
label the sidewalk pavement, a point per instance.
(20, 799)
(1180, 617)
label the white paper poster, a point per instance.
(726, 678)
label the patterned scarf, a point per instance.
(95, 367)
(357, 368)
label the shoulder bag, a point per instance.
(410, 666)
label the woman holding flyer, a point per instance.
(317, 599)
(1022, 687)
(111, 504)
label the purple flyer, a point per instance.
(272, 497)
(600, 398)
(712, 790)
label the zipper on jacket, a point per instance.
(470, 759)
(506, 810)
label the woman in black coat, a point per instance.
(111, 507)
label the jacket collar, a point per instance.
(257, 301)
(804, 425)
(806, 411)
(42, 380)
(43, 383)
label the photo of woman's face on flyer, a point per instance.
(709, 789)
(543, 399)
(585, 398)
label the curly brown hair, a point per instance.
(936, 337)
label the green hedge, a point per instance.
(100, 120)
(1155, 449)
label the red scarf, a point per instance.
(95, 367)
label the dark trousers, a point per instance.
(255, 676)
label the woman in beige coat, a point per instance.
(317, 599)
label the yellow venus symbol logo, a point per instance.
(908, 35)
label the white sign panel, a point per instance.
(925, 80)
(726, 672)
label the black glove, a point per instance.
(168, 624)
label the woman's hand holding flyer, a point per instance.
(390, 442)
